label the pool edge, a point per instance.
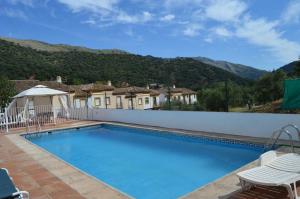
(41, 155)
(176, 131)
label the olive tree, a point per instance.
(7, 90)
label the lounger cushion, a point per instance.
(289, 162)
(265, 175)
(7, 187)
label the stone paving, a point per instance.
(31, 176)
(45, 176)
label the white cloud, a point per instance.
(292, 12)
(123, 17)
(13, 13)
(179, 3)
(167, 18)
(90, 22)
(225, 10)
(263, 33)
(147, 16)
(222, 31)
(106, 12)
(96, 6)
(208, 40)
(192, 30)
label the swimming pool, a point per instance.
(146, 163)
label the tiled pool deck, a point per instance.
(45, 176)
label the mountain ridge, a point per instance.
(290, 67)
(44, 46)
(19, 62)
(237, 69)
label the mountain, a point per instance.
(76, 66)
(290, 68)
(43, 46)
(238, 69)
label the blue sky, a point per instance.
(259, 33)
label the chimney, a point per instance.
(109, 83)
(58, 79)
(174, 86)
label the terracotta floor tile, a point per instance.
(29, 175)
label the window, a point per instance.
(147, 100)
(107, 100)
(97, 101)
(119, 102)
(140, 101)
(154, 101)
(77, 103)
(83, 103)
(130, 104)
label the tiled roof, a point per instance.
(154, 92)
(21, 85)
(87, 89)
(184, 91)
(81, 93)
(131, 89)
(92, 87)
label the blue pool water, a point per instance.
(146, 164)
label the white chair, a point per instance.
(274, 171)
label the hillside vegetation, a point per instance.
(19, 62)
(292, 68)
(43, 46)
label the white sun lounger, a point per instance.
(275, 171)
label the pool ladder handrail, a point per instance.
(279, 132)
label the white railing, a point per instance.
(38, 116)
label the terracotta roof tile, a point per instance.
(21, 85)
(132, 89)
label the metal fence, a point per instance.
(38, 116)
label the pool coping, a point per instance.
(43, 152)
(105, 186)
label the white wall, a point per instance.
(248, 124)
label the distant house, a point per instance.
(183, 95)
(107, 96)
(98, 95)
(136, 98)
(92, 95)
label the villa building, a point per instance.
(106, 96)
(136, 98)
(183, 95)
(92, 95)
(109, 97)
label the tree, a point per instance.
(213, 99)
(297, 69)
(7, 90)
(277, 84)
(270, 87)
